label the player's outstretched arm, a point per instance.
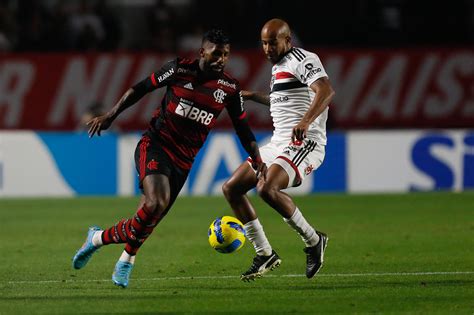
(248, 141)
(103, 122)
(156, 80)
(259, 97)
(257, 164)
(247, 138)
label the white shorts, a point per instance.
(298, 159)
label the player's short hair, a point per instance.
(216, 36)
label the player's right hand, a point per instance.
(97, 124)
(299, 131)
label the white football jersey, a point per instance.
(291, 96)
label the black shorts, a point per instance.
(150, 158)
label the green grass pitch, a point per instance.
(387, 254)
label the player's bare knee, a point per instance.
(157, 204)
(266, 191)
(228, 189)
(233, 189)
(151, 204)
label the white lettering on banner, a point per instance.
(147, 105)
(410, 160)
(24, 178)
(349, 87)
(419, 86)
(447, 155)
(383, 96)
(12, 96)
(78, 89)
(126, 164)
(389, 171)
(436, 106)
(115, 81)
(220, 148)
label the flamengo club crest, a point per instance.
(219, 95)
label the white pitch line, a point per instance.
(340, 275)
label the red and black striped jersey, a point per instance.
(190, 107)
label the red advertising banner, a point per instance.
(374, 88)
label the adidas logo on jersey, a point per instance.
(189, 86)
(185, 109)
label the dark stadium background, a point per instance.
(395, 192)
(163, 26)
(51, 33)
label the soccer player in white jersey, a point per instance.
(299, 98)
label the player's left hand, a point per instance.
(299, 131)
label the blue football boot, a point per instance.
(85, 252)
(121, 273)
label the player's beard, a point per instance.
(273, 58)
(212, 68)
(215, 67)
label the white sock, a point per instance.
(97, 239)
(256, 235)
(127, 257)
(300, 225)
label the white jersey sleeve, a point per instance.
(308, 68)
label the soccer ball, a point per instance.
(226, 234)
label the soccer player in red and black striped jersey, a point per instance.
(196, 93)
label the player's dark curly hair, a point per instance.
(216, 36)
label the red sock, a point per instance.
(132, 231)
(116, 234)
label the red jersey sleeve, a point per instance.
(164, 76)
